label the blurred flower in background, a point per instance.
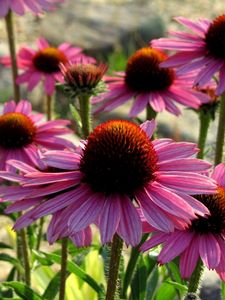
(22, 134)
(149, 84)
(20, 6)
(203, 49)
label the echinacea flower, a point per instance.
(23, 198)
(83, 78)
(117, 170)
(149, 85)
(44, 64)
(20, 6)
(203, 49)
(22, 133)
(203, 239)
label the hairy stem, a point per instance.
(150, 113)
(85, 115)
(12, 49)
(220, 132)
(116, 251)
(40, 231)
(204, 119)
(49, 106)
(195, 279)
(26, 260)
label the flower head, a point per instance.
(203, 238)
(44, 63)
(83, 78)
(20, 7)
(24, 198)
(203, 49)
(149, 84)
(22, 133)
(117, 170)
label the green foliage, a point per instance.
(22, 290)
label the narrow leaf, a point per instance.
(23, 290)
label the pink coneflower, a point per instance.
(22, 133)
(119, 169)
(205, 49)
(43, 64)
(20, 6)
(23, 198)
(203, 239)
(149, 84)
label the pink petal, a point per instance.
(209, 250)
(175, 245)
(110, 218)
(189, 258)
(130, 228)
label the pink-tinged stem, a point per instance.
(116, 250)
(12, 49)
(220, 132)
(63, 269)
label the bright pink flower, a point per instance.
(20, 6)
(117, 170)
(204, 238)
(204, 50)
(22, 133)
(149, 84)
(24, 198)
(43, 64)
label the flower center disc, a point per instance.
(118, 158)
(215, 38)
(16, 130)
(143, 73)
(215, 223)
(84, 75)
(48, 60)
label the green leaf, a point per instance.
(76, 115)
(165, 291)
(11, 274)
(5, 246)
(181, 287)
(175, 272)
(138, 284)
(152, 283)
(73, 268)
(22, 290)
(52, 288)
(223, 290)
(12, 260)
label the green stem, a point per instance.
(19, 248)
(204, 119)
(85, 114)
(195, 279)
(25, 257)
(49, 106)
(220, 132)
(40, 231)
(116, 250)
(135, 252)
(150, 113)
(12, 49)
(63, 269)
